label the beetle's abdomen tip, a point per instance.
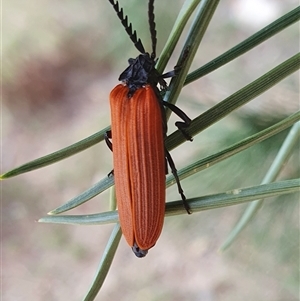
(139, 252)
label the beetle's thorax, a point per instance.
(141, 71)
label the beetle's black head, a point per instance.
(141, 71)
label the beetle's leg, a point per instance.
(180, 190)
(107, 136)
(177, 68)
(182, 126)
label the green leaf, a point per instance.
(259, 37)
(85, 196)
(236, 100)
(58, 155)
(183, 16)
(105, 263)
(229, 198)
(234, 149)
(283, 155)
(202, 18)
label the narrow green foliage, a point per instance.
(57, 156)
(200, 23)
(237, 100)
(283, 155)
(85, 196)
(184, 15)
(253, 41)
(213, 201)
(234, 149)
(105, 263)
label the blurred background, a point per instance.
(60, 61)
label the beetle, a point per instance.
(138, 132)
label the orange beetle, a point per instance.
(138, 131)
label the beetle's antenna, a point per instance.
(124, 20)
(152, 27)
